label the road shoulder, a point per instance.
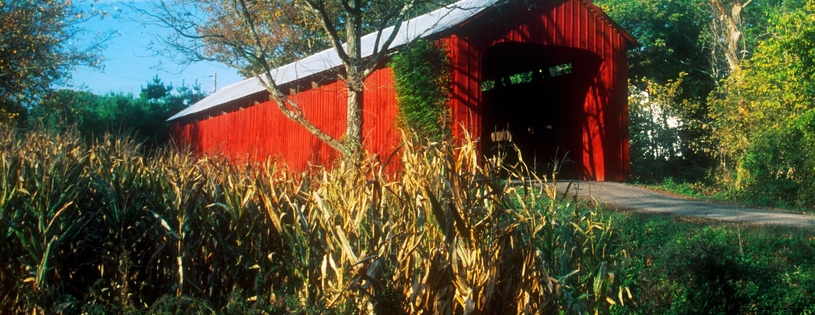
(632, 198)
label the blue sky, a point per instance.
(128, 64)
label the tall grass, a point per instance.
(102, 228)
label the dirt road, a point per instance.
(627, 197)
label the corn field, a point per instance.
(100, 227)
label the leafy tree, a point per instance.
(62, 108)
(778, 166)
(688, 47)
(155, 104)
(144, 117)
(37, 49)
(155, 90)
(697, 37)
(671, 34)
(670, 74)
(764, 102)
(776, 85)
(657, 141)
(260, 36)
(737, 27)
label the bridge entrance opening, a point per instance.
(533, 98)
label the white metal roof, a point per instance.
(419, 27)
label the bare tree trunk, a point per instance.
(356, 74)
(726, 27)
(353, 132)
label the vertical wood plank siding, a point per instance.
(571, 23)
(260, 131)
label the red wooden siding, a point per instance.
(260, 131)
(572, 24)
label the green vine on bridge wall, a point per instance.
(422, 74)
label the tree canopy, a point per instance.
(776, 86)
(762, 117)
(737, 79)
(142, 116)
(39, 49)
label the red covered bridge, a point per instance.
(550, 74)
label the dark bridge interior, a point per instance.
(533, 97)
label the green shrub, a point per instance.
(697, 267)
(180, 305)
(422, 75)
(778, 168)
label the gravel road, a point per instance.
(627, 197)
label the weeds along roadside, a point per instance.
(702, 266)
(100, 228)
